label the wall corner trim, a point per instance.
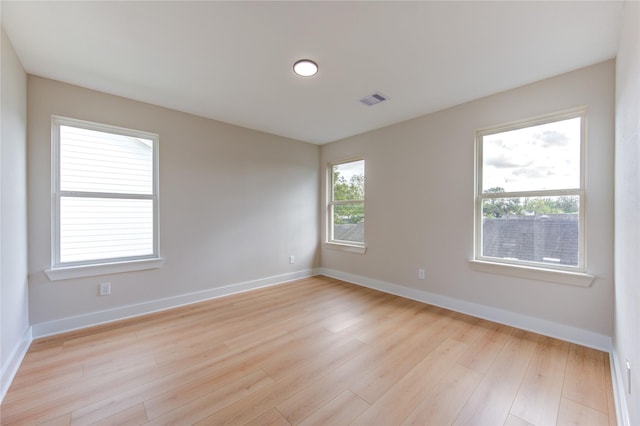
(619, 392)
(10, 368)
(536, 325)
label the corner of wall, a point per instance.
(15, 334)
(619, 392)
(10, 368)
(626, 383)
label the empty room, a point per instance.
(320, 213)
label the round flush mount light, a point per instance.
(305, 67)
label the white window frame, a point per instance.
(567, 274)
(65, 270)
(348, 246)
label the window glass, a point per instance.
(104, 228)
(105, 194)
(540, 157)
(529, 206)
(105, 162)
(346, 208)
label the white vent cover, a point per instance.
(373, 99)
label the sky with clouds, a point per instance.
(347, 170)
(541, 157)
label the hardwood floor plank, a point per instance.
(517, 421)
(304, 350)
(407, 393)
(389, 326)
(190, 352)
(296, 378)
(27, 382)
(341, 410)
(135, 415)
(314, 351)
(585, 379)
(101, 367)
(239, 361)
(538, 399)
(486, 342)
(270, 418)
(399, 360)
(443, 403)
(43, 404)
(465, 332)
(491, 401)
(307, 400)
(182, 392)
(576, 414)
(341, 321)
(63, 420)
(223, 366)
(201, 405)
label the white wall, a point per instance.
(627, 206)
(14, 306)
(419, 207)
(234, 204)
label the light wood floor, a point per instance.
(316, 351)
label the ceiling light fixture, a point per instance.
(305, 67)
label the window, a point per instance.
(105, 194)
(530, 193)
(346, 205)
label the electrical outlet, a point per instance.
(105, 289)
(421, 273)
(292, 259)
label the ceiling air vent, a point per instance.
(374, 98)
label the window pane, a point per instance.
(104, 228)
(348, 222)
(542, 157)
(532, 229)
(348, 181)
(94, 161)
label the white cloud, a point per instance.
(545, 156)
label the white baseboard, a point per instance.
(548, 328)
(10, 368)
(619, 390)
(514, 319)
(101, 317)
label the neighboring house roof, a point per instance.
(546, 238)
(349, 232)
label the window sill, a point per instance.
(65, 273)
(346, 247)
(577, 279)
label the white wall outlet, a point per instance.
(421, 273)
(292, 259)
(105, 289)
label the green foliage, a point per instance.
(499, 207)
(352, 190)
(557, 205)
(348, 191)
